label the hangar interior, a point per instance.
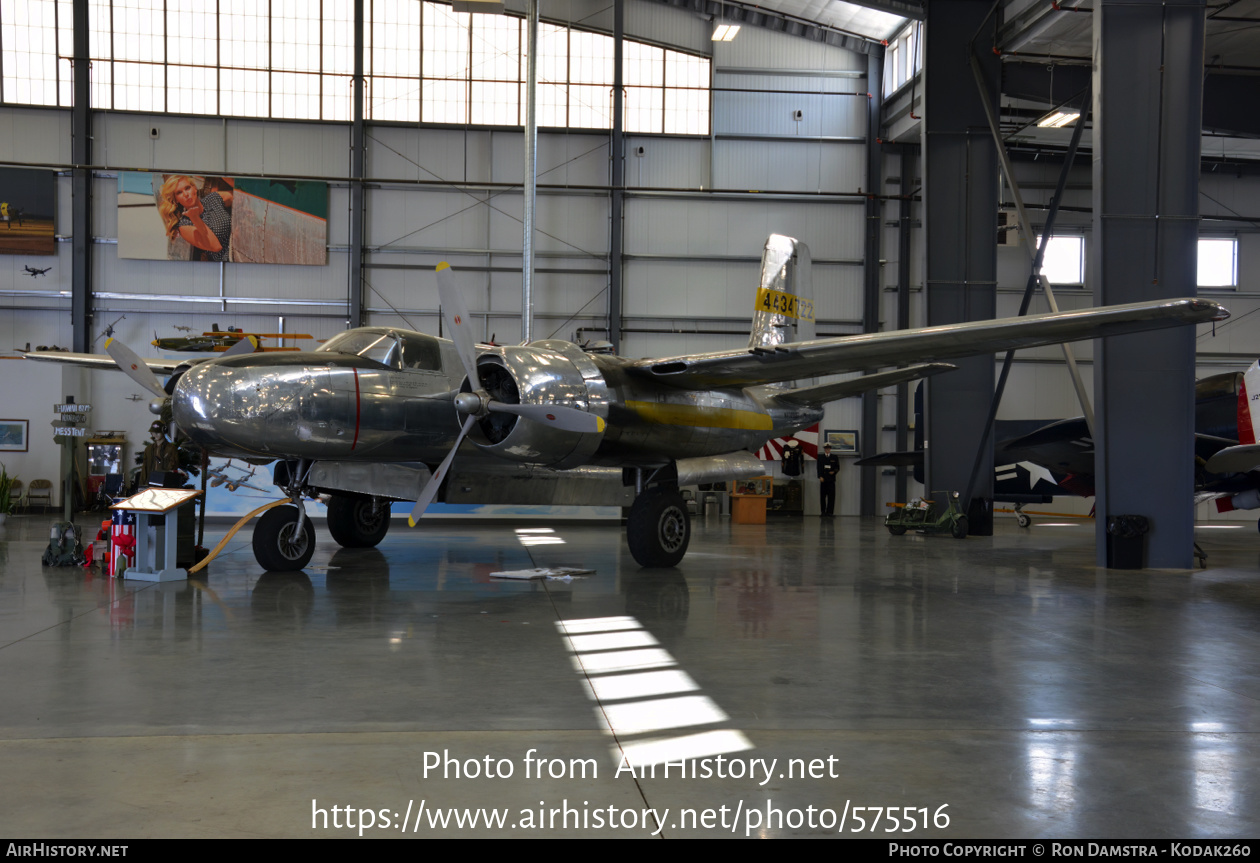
(1008, 676)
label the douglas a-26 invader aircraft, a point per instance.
(379, 414)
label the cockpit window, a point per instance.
(421, 352)
(396, 350)
(381, 347)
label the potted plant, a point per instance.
(6, 494)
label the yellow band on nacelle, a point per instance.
(699, 416)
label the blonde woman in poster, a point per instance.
(202, 217)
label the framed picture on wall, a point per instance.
(842, 442)
(14, 435)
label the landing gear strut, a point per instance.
(658, 528)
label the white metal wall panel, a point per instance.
(667, 163)
(578, 159)
(683, 291)
(763, 49)
(701, 226)
(787, 166)
(428, 218)
(33, 135)
(409, 153)
(653, 22)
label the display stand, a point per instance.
(748, 500)
(157, 548)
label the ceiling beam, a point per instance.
(752, 16)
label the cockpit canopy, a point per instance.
(393, 349)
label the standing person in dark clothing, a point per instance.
(828, 469)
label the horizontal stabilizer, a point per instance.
(817, 396)
(1235, 459)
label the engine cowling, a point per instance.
(546, 372)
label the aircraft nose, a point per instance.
(210, 399)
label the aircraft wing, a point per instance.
(765, 365)
(99, 361)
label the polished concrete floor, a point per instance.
(818, 674)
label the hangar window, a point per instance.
(1218, 262)
(1064, 261)
(424, 62)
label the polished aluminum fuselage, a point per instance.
(326, 405)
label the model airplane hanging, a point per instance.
(33, 272)
(379, 414)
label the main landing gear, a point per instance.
(284, 539)
(658, 529)
(357, 522)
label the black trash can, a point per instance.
(1126, 541)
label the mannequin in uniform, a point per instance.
(159, 455)
(828, 469)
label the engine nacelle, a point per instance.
(542, 372)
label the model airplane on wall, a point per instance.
(33, 272)
(380, 414)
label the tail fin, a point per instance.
(785, 297)
(1249, 391)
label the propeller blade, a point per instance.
(555, 416)
(430, 490)
(134, 367)
(456, 315)
(247, 345)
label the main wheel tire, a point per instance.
(959, 530)
(353, 523)
(659, 528)
(278, 547)
(896, 529)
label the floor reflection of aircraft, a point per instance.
(1036, 460)
(378, 414)
(33, 272)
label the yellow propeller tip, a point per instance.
(109, 341)
(443, 266)
(411, 522)
(600, 424)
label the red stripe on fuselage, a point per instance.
(355, 442)
(1245, 433)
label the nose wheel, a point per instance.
(280, 544)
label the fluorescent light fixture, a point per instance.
(725, 32)
(1218, 526)
(1057, 119)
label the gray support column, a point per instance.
(617, 204)
(81, 187)
(531, 174)
(871, 269)
(358, 165)
(1148, 69)
(960, 196)
(909, 158)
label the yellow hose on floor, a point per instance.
(231, 533)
